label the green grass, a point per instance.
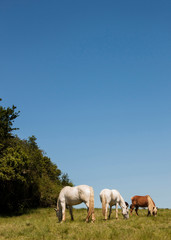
(42, 224)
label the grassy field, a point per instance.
(42, 224)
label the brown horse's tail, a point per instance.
(91, 205)
(103, 204)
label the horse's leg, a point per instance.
(110, 211)
(136, 210)
(148, 213)
(63, 211)
(71, 213)
(88, 214)
(131, 209)
(106, 208)
(93, 217)
(116, 210)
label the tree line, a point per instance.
(28, 178)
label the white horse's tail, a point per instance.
(103, 204)
(91, 205)
(151, 204)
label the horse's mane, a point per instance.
(122, 202)
(151, 204)
(59, 209)
(150, 200)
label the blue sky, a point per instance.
(92, 80)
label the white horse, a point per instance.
(70, 196)
(110, 198)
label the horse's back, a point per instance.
(141, 201)
(75, 195)
(116, 197)
(115, 193)
(75, 189)
(84, 192)
(111, 196)
(106, 193)
(83, 188)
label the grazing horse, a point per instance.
(70, 196)
(110, 198)
(143, 201)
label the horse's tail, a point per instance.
(91, 205)
(103, 204)
(151, 204)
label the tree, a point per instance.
(7, 117)
(28, 178)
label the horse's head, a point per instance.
(155, 211)
(125, 212)
(58, 214)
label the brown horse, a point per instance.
(143, 201)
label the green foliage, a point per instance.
(7, 117)
(28, 178)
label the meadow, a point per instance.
(42, 224)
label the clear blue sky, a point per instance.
(92, 80)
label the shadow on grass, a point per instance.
(15, 214)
